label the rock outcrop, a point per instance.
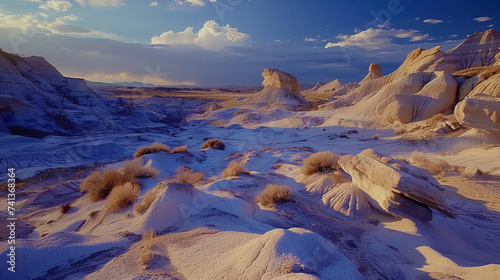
(480, 111)
(281, 90)
(395, 187)
(374, 72)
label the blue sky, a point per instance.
(230, 42)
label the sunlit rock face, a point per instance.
(281, 90)
(481, 112)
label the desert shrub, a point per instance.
(435, 166)
(338, 177)
(186, 175)
(234, 169)
(137, 169)
(146, 201)
(273, 194)
(147, 243)
(376, 137)
(320, 162)
(65, 208)
(214, 144)
(122, 196)
(98, 186)
(181, 149)
(153, 148)
(93, 214)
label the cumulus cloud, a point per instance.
(153, 4)
(193, 2)
(100, 3)
(481, 19)
(373, 39)
(432, 21)
(56, 5)
(210, 36)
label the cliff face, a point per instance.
(37, 100)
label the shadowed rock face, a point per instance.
(395, 187)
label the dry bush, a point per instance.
(122, 196)
(320, 162)
(98, 186)
(147, 244)
(376, 137)
(234, 169)
(146, 201)
(435, 166)
(137, 169)
(273, 194)
(65, 208)
(181, 149)
(93, 214)
(214, 144)
(153, 148)
(338, 177)
(186, 175)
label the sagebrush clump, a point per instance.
(98, 185)
(186, 175)
(234, 169)
(122, 196)
(153, 148)
(274, 194)
(147, 200)
(435, 166)
(213, 144)
(137, 169)
(320, 162)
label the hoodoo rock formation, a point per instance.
(281, 90)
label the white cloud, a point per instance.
(193, 2)
(432, 21)
(153, 4)
(56, 5)
(100, 3)
(373, 39)
(481, 19)
(310, 39)
(210, 36)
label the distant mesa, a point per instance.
(281, 90)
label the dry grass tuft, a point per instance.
(338, 177)
(137, 169)
(153, 148)
(65, 208)
(185, 175)
(122, 197)
(273, 194)
(438, 167)
(320, 162)
(214, 144)
(147, 243)
(181, 149)
(376, 137)
(147, 200)
(234, 169)
(400, 131)
(98, 186)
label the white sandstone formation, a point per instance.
(281, 90)
(347, 199)
(395, 187)
(480, 111)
